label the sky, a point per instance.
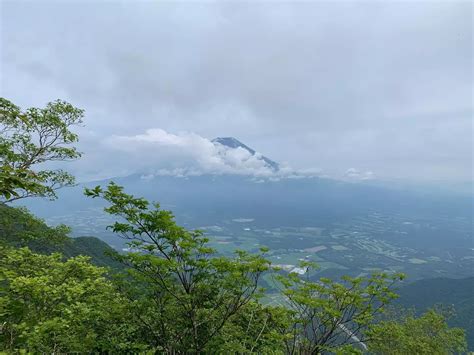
(355, 90)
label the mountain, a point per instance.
(20, 228)
(233, 143)
(459, 293)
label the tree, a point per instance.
(183, 293)
(30, 138)
(328, 315)
(428, 334)
(253, 330)
(48, 305)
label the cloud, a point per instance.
(186, 154)
(158, 152)
(354, 174)
(386, 85)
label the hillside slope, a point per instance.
(20, 228)
(458, 293)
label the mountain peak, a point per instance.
(234, 143)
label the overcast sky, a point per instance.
(361, 89)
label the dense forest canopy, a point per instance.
(171, 293)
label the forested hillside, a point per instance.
(19, 228)
(455, 293)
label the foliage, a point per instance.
(253, 330)
(51, 306)
(187, 292)
(327, 315)
(31, 138)
(427, 334)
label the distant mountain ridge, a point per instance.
(234, 143)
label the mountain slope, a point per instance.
(233, 143)
(458, 293)
(19, 228)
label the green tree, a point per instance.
(48, 305)
(184, 293)
(253, 330)
(428, 334)
(30, 138)
(328, 315)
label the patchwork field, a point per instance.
(357, 246)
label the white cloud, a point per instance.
(186, 153)
(158, 152)
(355, 174)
